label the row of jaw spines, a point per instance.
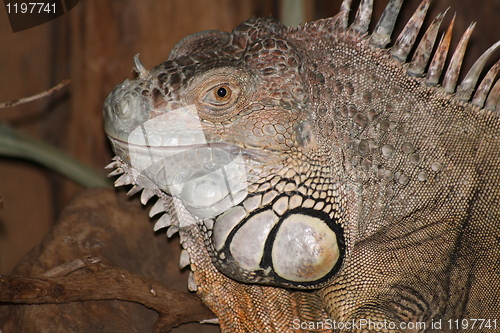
(487, 94)
(160, 206)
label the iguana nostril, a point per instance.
(124, 108)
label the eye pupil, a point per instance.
(219, 95)
(222, 92)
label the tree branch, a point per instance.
(105, 282)
(34, 97)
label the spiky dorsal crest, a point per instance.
(428, 61)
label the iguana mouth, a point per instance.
(252, 155)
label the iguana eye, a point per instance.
(219, 95)
(223, 93)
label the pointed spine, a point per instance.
(336, 23)
(408, 36)
(113, 165)
(172, 231)
(345, 8)
(191, 282)
(146, 195)
(123, 180)
(163, 222)
(423, 53)
(184, 259)
(157, 208)
(451, 76)
(464, 91)
(439, 59)
(135, 189)
(493, 101)
(363, 16)
(381, 36)
(116, 172)
(484, 88)
(139, 67)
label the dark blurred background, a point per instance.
(93, 45)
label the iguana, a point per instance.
(319, 179)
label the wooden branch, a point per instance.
(105, 282)
(34, 97)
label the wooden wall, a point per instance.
(93, 46)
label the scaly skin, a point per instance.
(329, 168)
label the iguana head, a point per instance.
(223, 125)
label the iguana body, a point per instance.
(315, 158)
